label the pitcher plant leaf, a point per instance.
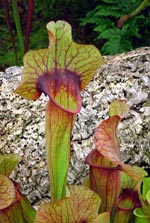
(12, 214)
(128, 181)
(81, 206)
(8, 163)
(60, 72)
(146, 187)
(7, 192)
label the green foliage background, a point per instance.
(93, 21)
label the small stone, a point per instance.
(146, 81)
(139, 97)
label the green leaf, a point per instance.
(8, 163)
(109, 1)
(118, 41)
(27, 210)
(104, 217)
(118, 107)
(146, 187)
(107, 10)
(7, 192)
(103, 24)
(128, 182)
(142, 214)
(12, 214)
(90, 18)
(14, 207)
(111, 33)
(134, 172)
(117, 45)
(60, 71)
(81, 206)
(148, 197)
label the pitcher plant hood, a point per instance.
(60, 71)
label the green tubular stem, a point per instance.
(139, 8)
(59, 125)
(18, 25)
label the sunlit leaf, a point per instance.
(81, 206)
(134, 172)
(14, 207)
(106, 140)
(27, 210)
(118, 107)
(104, 217)
(148, 197)
(8, 163)
(132, 183)
(7, 192)
(86, 182)
(60, 71)
(146, 187)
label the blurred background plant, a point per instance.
(114, 26)
(112, 36)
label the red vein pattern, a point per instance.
(81, 206)
(7, 192)
(60, 71)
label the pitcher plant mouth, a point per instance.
(128, 201)
(63, 88)
(89, 161)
